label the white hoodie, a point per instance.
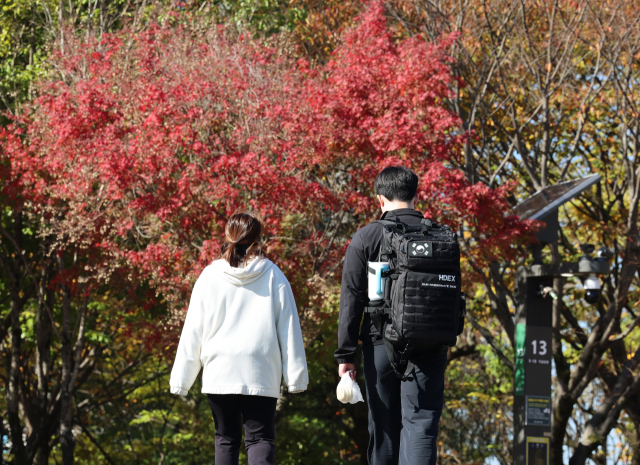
(242, 326)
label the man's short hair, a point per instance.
(397, 183)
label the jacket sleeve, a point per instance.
(294, 360)
(187, 363)
(353, 299)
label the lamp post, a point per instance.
(535, 294)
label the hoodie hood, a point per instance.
(251, 272)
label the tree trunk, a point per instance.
(561, 414)
(562, 404)
(582, 453)
(67, 440)
(43, 455)
(13, 388)
(43, 368)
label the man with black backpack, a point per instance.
(406, 332)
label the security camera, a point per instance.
(593, 289)
(587, 249)
(604, 254)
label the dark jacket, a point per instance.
(364, 247)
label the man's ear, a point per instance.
(414, 202)
(382, 200)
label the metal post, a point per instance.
(532, 389)
(532, 377)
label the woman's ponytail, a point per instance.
(242, 239)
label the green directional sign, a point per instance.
(521, 332)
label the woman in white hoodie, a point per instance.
(242, 328)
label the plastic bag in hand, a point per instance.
(348, 390)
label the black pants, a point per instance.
(403, 415)
(257, 413)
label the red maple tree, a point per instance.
(144, 145)
(140, 146)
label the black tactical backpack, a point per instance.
(423, 307)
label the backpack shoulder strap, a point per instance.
(386, 222)
(425, 225)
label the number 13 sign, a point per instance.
(537, 361)
(539, 347)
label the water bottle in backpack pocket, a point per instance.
(376, 281)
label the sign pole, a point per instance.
(535, 296)
(532, 382)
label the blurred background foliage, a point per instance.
(134, 419)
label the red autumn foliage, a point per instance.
(144, 144)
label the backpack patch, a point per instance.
(421, 248)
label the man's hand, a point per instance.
(347, 367)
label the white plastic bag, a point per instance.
(348, 390)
